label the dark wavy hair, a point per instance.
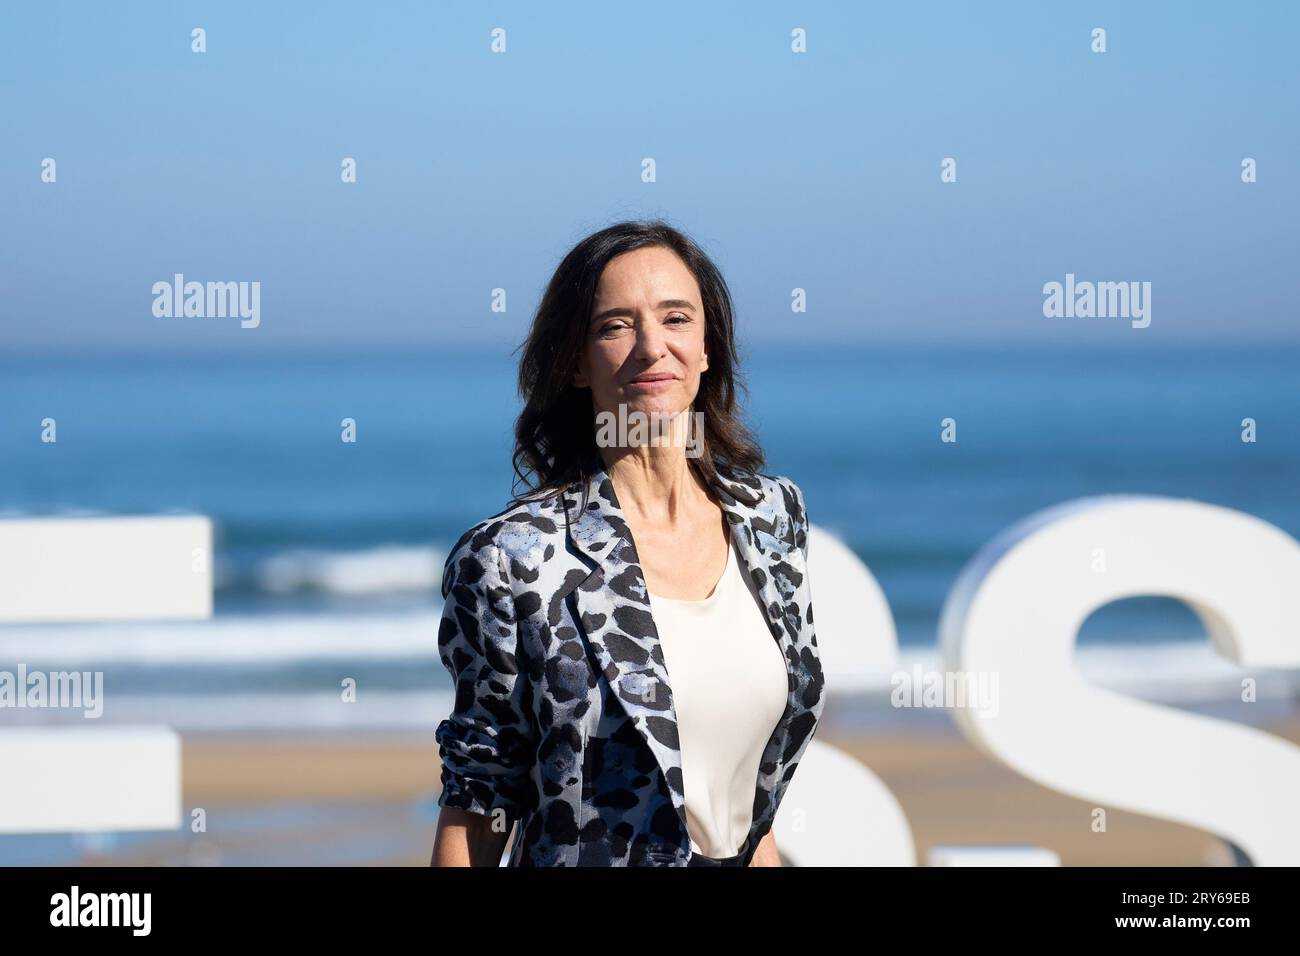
(555, 434)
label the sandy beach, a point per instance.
(371, 801)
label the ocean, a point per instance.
(329, 554)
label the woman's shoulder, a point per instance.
(784, 485)
(770, 492)
(518, 535)
(776, 503)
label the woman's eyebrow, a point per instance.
(665, 304)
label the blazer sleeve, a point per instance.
(488, 743)
(799, 518)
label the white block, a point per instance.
(855, 627)
(836, 812)
(59, 780)
(105, 569)
(1011, 854)
(1014, 615)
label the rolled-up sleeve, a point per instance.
(799, 518)
(487, 743)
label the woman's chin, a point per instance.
(651, 404)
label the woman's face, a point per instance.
(645, 341)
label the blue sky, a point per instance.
(478, 171)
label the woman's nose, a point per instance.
(649, 341)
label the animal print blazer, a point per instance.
(563, 718)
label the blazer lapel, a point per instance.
(621, 629)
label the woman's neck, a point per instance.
(654, 484)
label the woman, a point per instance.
(629, 559)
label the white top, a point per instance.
(730, 687)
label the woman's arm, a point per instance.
(766, 854)
(487, 744)
(467, 839)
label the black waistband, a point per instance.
(740, 859)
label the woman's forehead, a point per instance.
(664, 274)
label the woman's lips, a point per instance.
(651, 383)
